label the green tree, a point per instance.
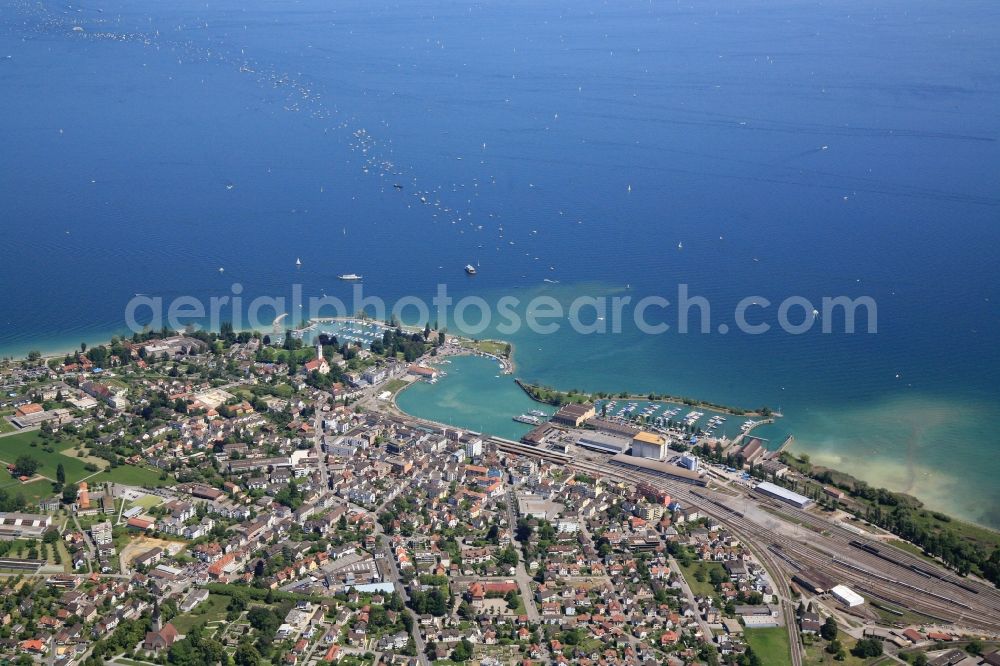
(26, 466)
(264, 620)
(462, 651)
(507, 557)
(247, 655)
(829, 630)
(867, 648)
(60, 474)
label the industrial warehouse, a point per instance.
(16, 525)
(597, 441)
(658, 468)
(783, 494)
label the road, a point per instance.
(690, 597)
(522, 577)
(91, 547)
(389, 556)
(383, 542)
(824, 547)
(318, 445)
(805, 542)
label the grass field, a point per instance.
(394, 385)
(31, 444)
(487, 346)
(147, 501)
(702, 588)
(132, 476)
(816, 653)
(771, 645)
(75, 453)
(212, 609)
(31, 492)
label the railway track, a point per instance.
(927, 590)
(896, 556)
(933, 599)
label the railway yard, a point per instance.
(798, 544)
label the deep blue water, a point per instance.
(162, 142)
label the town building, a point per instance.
(648, 445)
(574, 415)
(689, 461)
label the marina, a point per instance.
(354, 331)
(661, 415)
(891, 408)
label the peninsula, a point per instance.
(207, 498)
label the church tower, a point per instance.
(157, 620)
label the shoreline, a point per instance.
(505, 360)
(392, 406)
(532, 389)
(788, 445)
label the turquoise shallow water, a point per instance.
(473, 394)
(814, 149)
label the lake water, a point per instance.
(765, 148)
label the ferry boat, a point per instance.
(349, 276)
(470, 269)
(537, 412)
(528, 418)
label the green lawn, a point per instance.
(132, 476)
(394, 385)
(488, 346)
(31, 444)
(702, 588)
(6, 426)
(771, 645)
(32, 493)
(816, 653)
(147, 501)
(212, 609)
